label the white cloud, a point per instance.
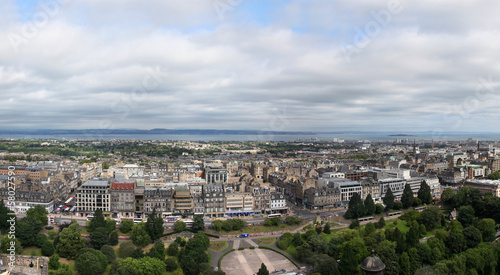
(86, 63)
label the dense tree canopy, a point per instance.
(155, 226)
(424, 193)
(356, 208)
(139, 235)
(97, 221)
(407, 198)
(389, 198)
(369, 205)
(70, 242)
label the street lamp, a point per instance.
(31, 264)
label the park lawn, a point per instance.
(218, 245)
(259, 229)
(332, 224)
(71, 264)
(292, 250)
(399, 224)
(327, 237)
(32, 251)
(269, 240)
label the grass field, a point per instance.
(32, 251)
(291, 250)
(259, 229)
(218, 245)
(269, 240)
(397, 223)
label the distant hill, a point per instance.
(149, 132)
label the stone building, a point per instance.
(122, 198)
(214, 200)
(159, 199)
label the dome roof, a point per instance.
(372, 263)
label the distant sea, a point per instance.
(265, 137)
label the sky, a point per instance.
(279, 65)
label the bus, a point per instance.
(189, 223)
(172, 219)
(138, 220)
(69, 200)
(274, 215)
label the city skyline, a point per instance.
(270, 66)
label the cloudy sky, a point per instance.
(320, 65)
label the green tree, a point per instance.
(26, 230)
(413, 235)
(430, 217)
(179, 226)
(494, 176)
(325, 265)
(397, 205)
(455, 241)
(103, 261)
(297, 240)
(217, 224)
(381, 222)
(109, 252)
(113, 238)
(369, 205)
(369, 229)
(40, 239)
(348, 263)
(487, 228)
(126, 249)
(139, 235)
(70, 242)
(263, 270)
(6, 244)
(198, 223)
(110, 225)
(47, 249)
(126, 225)
(354, 224)
(386, 251)
(97, 221)
(447, 196)
(415, 262)
(88, 264)
(154, 226)
(356, 208)
(170, 264)
(157, 251)
(5, 217)
(39, 213)
(389, 199)
(99, 237)
(466, 215)
(379, 208)
(404, 264)
(326, 229)
(138, 253)
(173, 249)
(54, 262)
(407, 198)
(424, 193)
(472, 236)
(145, 265)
